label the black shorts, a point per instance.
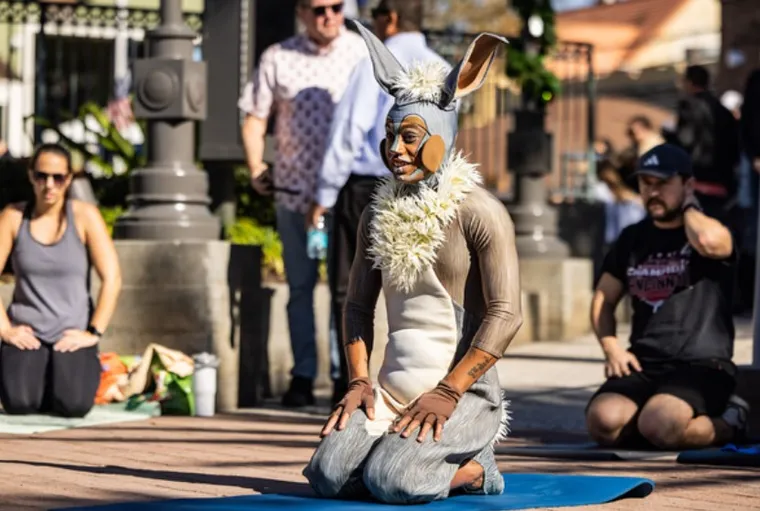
(706, 387)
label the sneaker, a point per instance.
(735, 415)
(299, 394)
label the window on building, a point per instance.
(74, 70)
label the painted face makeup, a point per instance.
(403, 144)
(422, 124)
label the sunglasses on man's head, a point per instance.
(322, 9)
(42, 177)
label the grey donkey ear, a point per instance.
(385, 65)
(470, 73)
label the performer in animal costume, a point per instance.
(442, 250)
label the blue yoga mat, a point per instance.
(728, 455)
(521, 491)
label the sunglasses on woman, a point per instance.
(322, 9)
(42, 177)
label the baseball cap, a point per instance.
(665, 161)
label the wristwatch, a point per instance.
(690, 205)
(94, 331)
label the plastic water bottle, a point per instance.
(204, 383)
(316, 240)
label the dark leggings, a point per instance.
(47, 381)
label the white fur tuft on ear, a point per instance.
(421, 82)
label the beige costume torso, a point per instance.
(442, 257)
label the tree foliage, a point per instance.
(527, 68)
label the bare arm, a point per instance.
(708, 236)
(9, 219)
(253, 132)
(257, 102)
(103, 255)
(607, 295)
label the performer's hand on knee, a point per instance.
(430, 410)
(358, 395)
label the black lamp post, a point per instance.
(530, 157)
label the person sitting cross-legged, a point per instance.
(673, 388)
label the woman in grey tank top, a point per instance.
(49, 351)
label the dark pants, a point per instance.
(355, 195)
(46, 381)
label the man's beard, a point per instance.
(666, 216)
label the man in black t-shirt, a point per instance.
(674, 385)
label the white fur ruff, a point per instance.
(506, 419)
(408, 225)
(421, 82)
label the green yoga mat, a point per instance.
(101, 414)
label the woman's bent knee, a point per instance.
(17, 403)
(12, 408)
(73, 408)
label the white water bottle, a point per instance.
(316, 240)
(204, 383)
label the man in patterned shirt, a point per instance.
(300, 80)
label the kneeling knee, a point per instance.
(328, 475)
(397, 485)
(660, 433)
(605, 425)
(20, 405)
(73, 410)
(20, 409)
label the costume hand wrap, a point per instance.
(433, 408)
(359, 394)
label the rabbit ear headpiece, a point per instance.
(429, 91)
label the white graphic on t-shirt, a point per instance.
(656, 278)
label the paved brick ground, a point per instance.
(172, 457)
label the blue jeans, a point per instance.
(302, 274)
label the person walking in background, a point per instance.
(642, 134)
(710, 134)
(49, 352)
(300, 80)
(352, 166)
(623, 206)
(750, 143)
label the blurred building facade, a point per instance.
(56, 55)
(641, 48)
(740, 40)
